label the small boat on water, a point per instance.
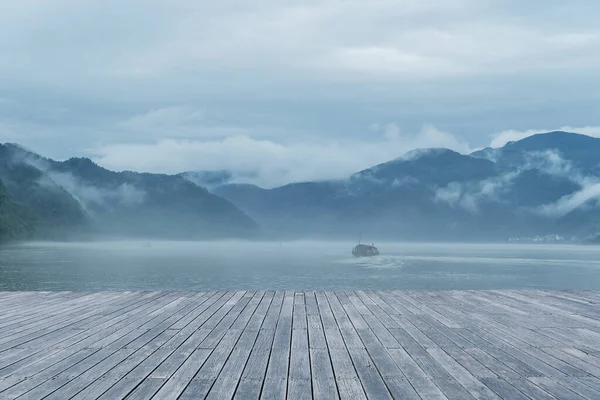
(365, 250)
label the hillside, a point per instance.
(538, 185)
(546, 183)
(79, 196)
(33, 205)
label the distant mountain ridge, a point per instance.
(532, 186)
(546, 183)
(99, 202)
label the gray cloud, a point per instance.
(269, 163)
(105, 77)
(552, 163)
(470, 195)
(89, 196)
(566, 204)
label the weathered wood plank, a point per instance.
(509, 344)
(299, 375)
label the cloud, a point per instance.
(177, 42)
(450, 193)
(97, 73)
(267, 162)
(167, 118)
(470, 195)
(90, 196)
(501, 138)
(551, 162)
(566, 204)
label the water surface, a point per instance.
(136, 265)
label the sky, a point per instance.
(291, 90)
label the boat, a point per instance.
(365, 250)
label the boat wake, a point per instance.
(378, 262)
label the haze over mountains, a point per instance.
(542, 184)
(546, 183)
(76, 198)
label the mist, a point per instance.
(424, 195)
(127, 265)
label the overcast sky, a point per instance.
(290, 90)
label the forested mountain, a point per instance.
(544, 183)
(76, 198)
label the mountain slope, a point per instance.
(122, 203)
(440, 194)
(394, 199)
(34, 202)
(132, 203)
(434, 166)
(577, 151)
(15, 222)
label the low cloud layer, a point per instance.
(471, 195)
(89, 196)
(589, 195)
(268, 163)
(90, 75)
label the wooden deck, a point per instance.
(351, 345)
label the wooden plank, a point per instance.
(275, 385)
(248, 345)
(555, 388)
(146, 389)
(66, 375)
(160, 356)
(583, 388)
(85, 385)
(346, 377)
(178, 382)
(323, 380)
(423, 384)
(368, 374)
(466, 379)
(299, 375)
(14, 387)
(227, 360)
(226, 383)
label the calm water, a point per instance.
(297, 265)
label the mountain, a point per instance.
(208, 179)
(394, 199)
(546, 183)
(215, 178)
(534, 186)
(580, 151)
(15, 222)
(436, 166)
(100, 202)
(32, 204)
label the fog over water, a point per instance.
(161, 265)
